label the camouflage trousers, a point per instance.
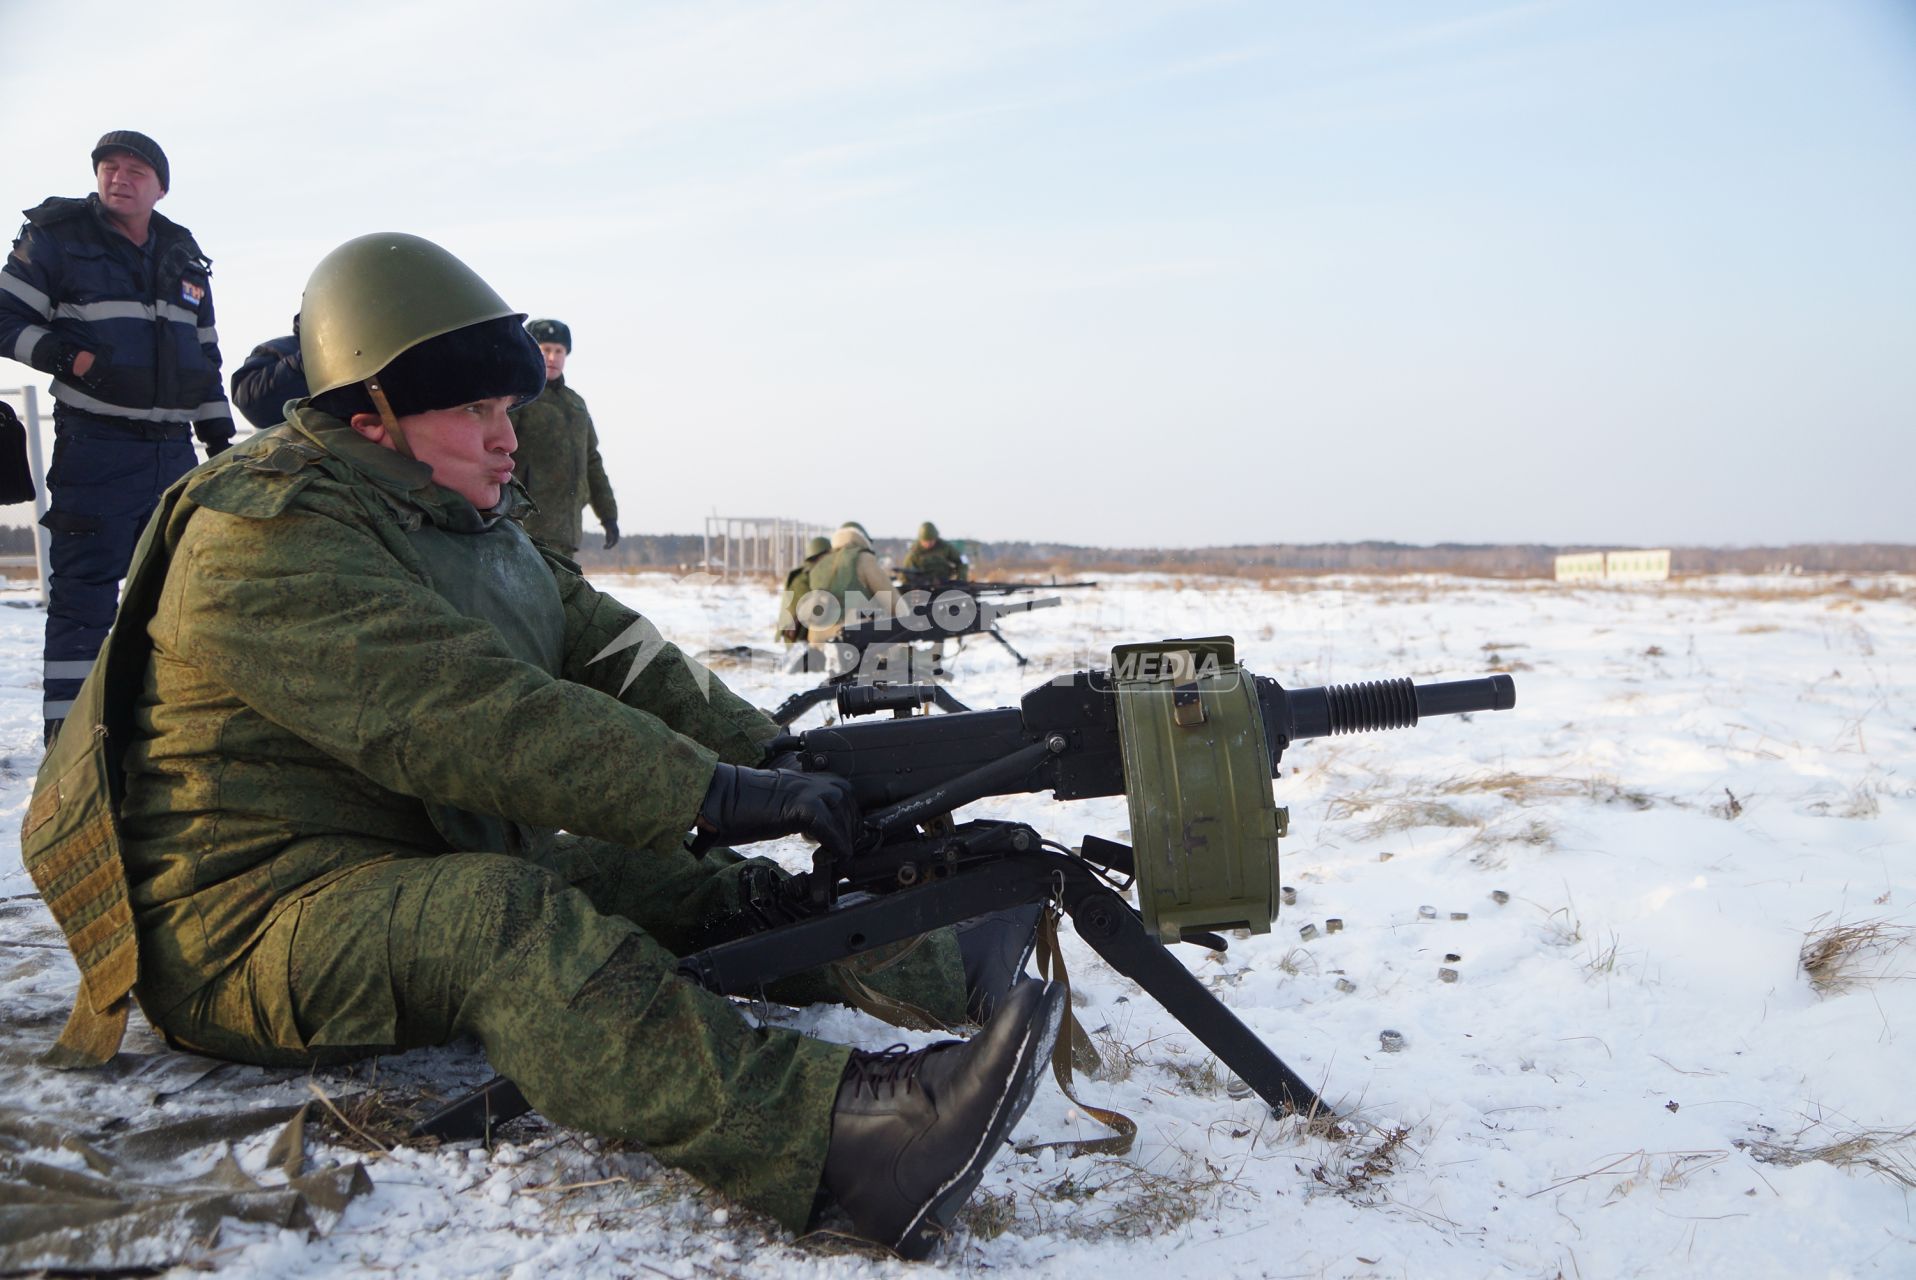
(563, 965)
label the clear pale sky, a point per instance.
(1123, 273)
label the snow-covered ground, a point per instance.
(1632, 1073)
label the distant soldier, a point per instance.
(932, 559)
(797, 582)
(847, 586)
(558, 456)
(272, 376)
(116, 302)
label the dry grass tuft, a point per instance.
(989, 1214)
(1858, 801)
(372, 1121)
(1609, 791)
(1119, 1059)
(1888, 1153)
(1116, 1197)
(1202, 1077)
(1357, 1171)
(1407, 814)
(1835, 957)
(1518, 788)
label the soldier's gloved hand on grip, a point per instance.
(611, 533)
(742, 805)
(780, 752)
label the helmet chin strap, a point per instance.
(387, 417)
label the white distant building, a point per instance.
(1584, 566)
(1615, 566)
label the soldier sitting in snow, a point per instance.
(346, 712)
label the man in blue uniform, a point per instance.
(272, 375)
(116, 302)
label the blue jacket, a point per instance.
(74, 283)
(271, 376)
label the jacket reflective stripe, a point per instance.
(68, 669)
(29, 339)
(91, 311)
(20, 289)
(56, 710)
(66, 394)
(209, 336)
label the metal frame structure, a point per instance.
(752, 546)
(29, 398)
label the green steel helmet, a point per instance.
(853, 524)
(818, 546)
(928, 532)
(377, 296)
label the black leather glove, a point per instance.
(611, 533)
(743, 805)
(214, 448)
(781, 752)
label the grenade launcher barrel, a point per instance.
(1063, 736)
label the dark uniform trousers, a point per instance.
(564, 966)
(107, 476)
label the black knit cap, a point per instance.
(551, 331)
(140, 145)
(478, 362)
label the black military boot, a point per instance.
(912, 1132)
(994, 949)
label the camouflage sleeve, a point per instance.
(598, 486)
(873, 582)
(310, 620)
(650, 672)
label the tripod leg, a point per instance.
(1114, 931)
(999, 636)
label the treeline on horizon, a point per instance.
(682, 552)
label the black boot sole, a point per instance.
(934, 1220)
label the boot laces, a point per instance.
(888, 1069)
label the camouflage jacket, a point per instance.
(558, 463)
(940, 562)
(850, 574)
(314, 692)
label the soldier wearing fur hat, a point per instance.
(115, 301)
(558, 455)
(353, 779)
